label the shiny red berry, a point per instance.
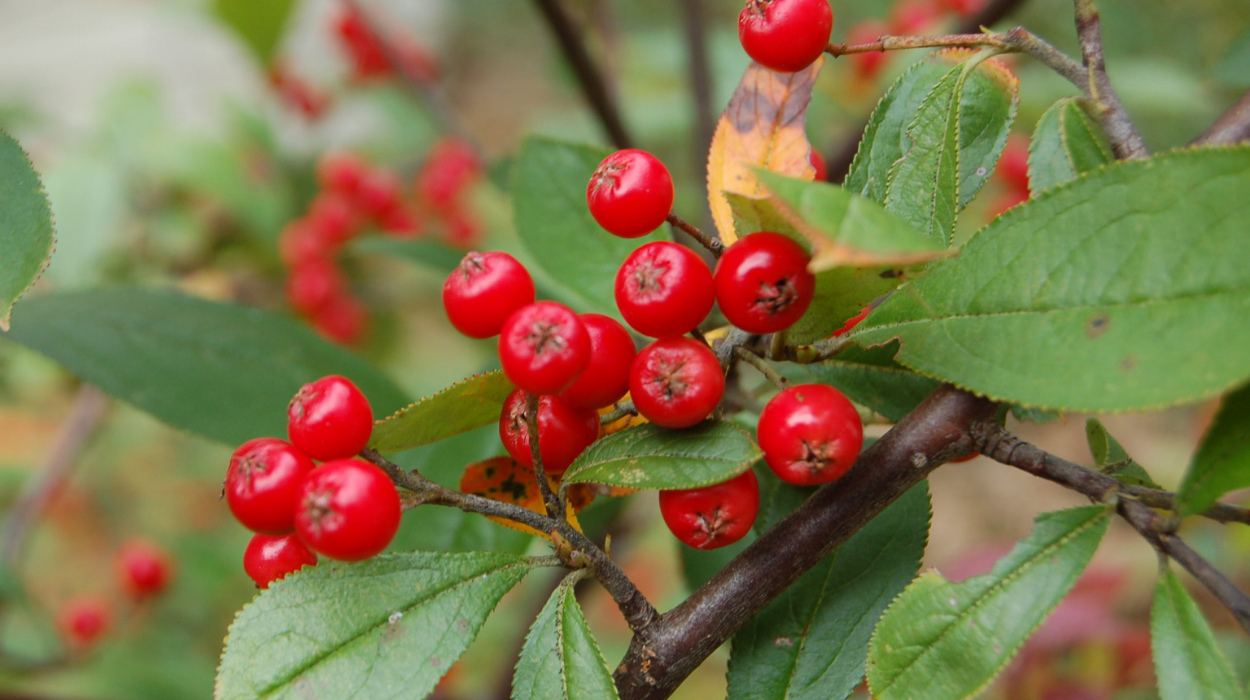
(261, 484)
(268, 558)
(867, 65)
(145, 569)
(544, 348)
(762, 283)
(712, 516)
(606, 379)
(484, 290)
(811, 434)
(664, 290)
(676, 382)
(348, 510)
(329, 419)
(785, 35)
(83, 620)
(313, 284)
(631, 193)
(563, 431)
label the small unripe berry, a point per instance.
(762, 283)
(712, 516)
(564, 431)
(785, 35)
(631, 193)
(330, 419)
(664, 290)
(268, 559)
(484, 290)
(676, 382)
(348, 510)
(811, 434)
(262, 482)
(543, 348)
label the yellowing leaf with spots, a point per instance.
(505, 479)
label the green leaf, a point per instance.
(433, 254)
(560, 659)
(258, 22)
(389, 627)
(1188, 662)
(1222, 463)
(869, 378)
(1112, 460)
(650, 457)
(572, 254)
(26, 234)
(1126, 289)
(943, 640)
(463, 406)
(1066, 143)
(225, 372)
(811, 642)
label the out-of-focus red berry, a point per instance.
(867, 65)
(450, 167)
(344, 319)
(144, 568)
(83, 620)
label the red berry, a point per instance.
(1007, 200)
(785, 35)
(606, 379)
(762, 283)
(543, 348)
(484, 290)
(852, 321)
(400, 222)
(450, 167)
(348, 510)
(341, 172)
(333, 217)
(83, 620)
(344, 320)
(563, 431)
(818, 162)
(867, 65)
(378, 193)
(914, 17)
(631, 193)
(329, 419)
(965, 8)
(145, 569)
(268, 558)
(1013, 165)
(312, 284)
(462, 229)
(296, 93)
(676, 382)
(664, 290)
(299, 244)
(712, 516)
(810, 434)
(362, 45)
(261, 483)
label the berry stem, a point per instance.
(712, 242)
(760, 364)
(555, 504)
(623, 408)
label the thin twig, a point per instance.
(1233, 126)
(763, 367)
(623, 408)
(555, 504)
(710, 241)
(1166, 500)
(1125, 140)
(591, 78)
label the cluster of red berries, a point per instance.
(144, 570)
(368, 52)
(344, 508)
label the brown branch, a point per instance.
(555, 504)
(591, 78)
(1233, 126)
(710, 241)
(996, 443)
(1125, 140)
(663, 654)
(1166, 500)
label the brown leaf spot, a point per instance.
(1097, 325)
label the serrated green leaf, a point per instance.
(26, 234)
(1123, 290)
(576, 258)
(225, 372)
(650, 457)
(463, 406)
(1111, 458)
(945, 641)
(811, 642)
(389, 627)
(1188, 662)
(560, 659)
(869, 378)
(1065, 144)
(258, 22)
(1222, 462)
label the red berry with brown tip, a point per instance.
(262, 482)
(631, 193)
(564, 431)
(762, 283)
(712, 516)
(664, 290)
(268, 558)
(145, 569)
(811, 434)
(484, 290)
(544, 348)
(785, 35)
(606, 379)
(329, 419)
(676, 382)
(348, 510)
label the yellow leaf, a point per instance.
(507, 480)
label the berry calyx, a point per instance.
(268, 558)
(811, 434)
(712, 516)
(83, 620)
(262, 482)
(145, 569)
(348, 510)
(484, 290)
(676, 382)
(606, 378)
(785, 35)
(563, 431)
(631, 193)
(329, 419)
(543, 348)
(762, 283)
(664, 290)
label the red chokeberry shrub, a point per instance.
(676, 382)
(484, 290)
(329, 419)
(664, 290)
(269, 558)
(262, 483)
(544, 348)
(145, 569)
(631, 193)
(348, 510)
(762, 283)
(606, 379)
(564, 431)
(712, 516)
(785, 35)
(810, 434)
